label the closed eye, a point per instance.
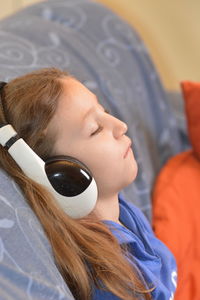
(97, 131)
(100, 128)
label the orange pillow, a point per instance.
(176, 202)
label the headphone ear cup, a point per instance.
(68, 176)
(69, 180)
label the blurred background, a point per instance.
(170, 30)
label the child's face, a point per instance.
(86, 132)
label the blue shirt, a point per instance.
(151, 257)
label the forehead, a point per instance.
(74, 104)
(76, 96)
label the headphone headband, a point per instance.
(2, 84)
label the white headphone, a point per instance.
(68, 179)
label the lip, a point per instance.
(127, 149)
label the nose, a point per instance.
(119, 128)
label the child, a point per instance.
(110, 253)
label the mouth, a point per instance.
(127, 149)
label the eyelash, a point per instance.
(99, 129)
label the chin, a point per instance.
(132, 174)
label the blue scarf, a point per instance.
(153, 260)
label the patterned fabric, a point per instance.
(106, 55)
(27, 269)
(178, 106)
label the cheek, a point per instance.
(106, 168)
(101, 162)
(106, 163)
(105, 157)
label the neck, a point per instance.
(107, 208)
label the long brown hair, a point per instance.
(85, 251)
